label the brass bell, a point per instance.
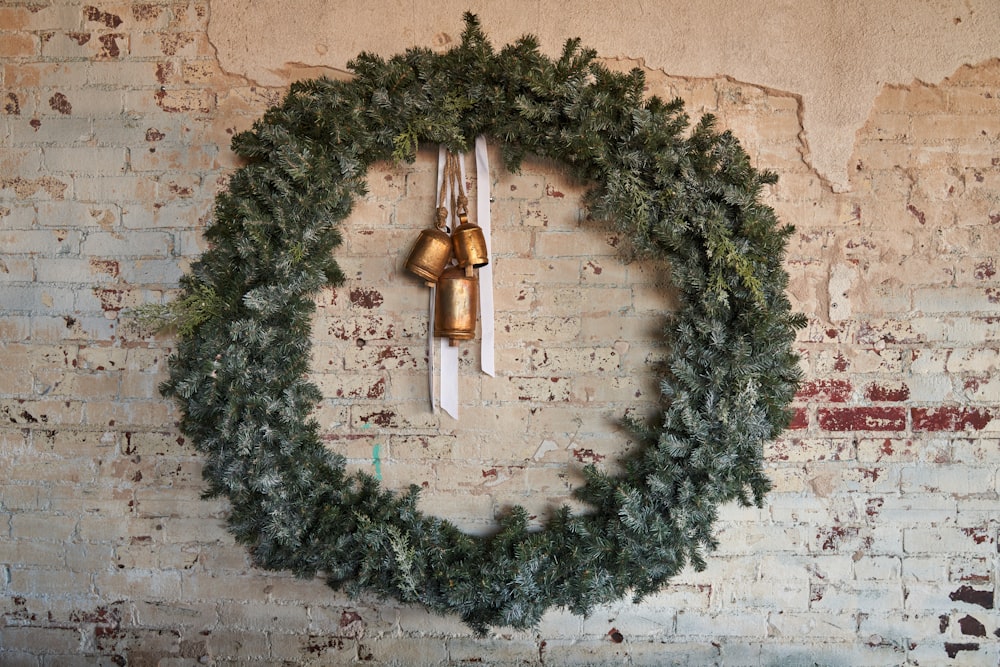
(469, 244)
(457, 302)
(430, 254)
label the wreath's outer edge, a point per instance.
(692, 200)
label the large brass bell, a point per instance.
(430, 254)
(455, 310)
(432, 251)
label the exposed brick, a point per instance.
(887, 392)
(862, 419)
(826, 390)
(951, 418)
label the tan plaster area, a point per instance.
(835, 55)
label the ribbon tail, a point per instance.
(430, 345)
(488, 342)
(449, 378)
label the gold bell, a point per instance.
(455, 311)
(430, 254)
(469, 244)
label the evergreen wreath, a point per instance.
(687, 198)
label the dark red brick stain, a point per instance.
(616, 636)
(112, 300)
(951, 418)
(985, 270)
(382, 418)
(873, 506)
(973, 383)
(971, 626)
(164, 71)
(316, 644)
(977, 536)
(887, 447)
(96, 15)
(377, 390)
(169, 44)
(366, 298)
(840, 364)
(552, 192)
(80, 38)
(954, 648)
(349, 617)
(12, 107)
(109, 45)
(917, 213)
(152, 134)
(107, 266)
(836, 535)
(59, 102)
(881, 393)
(145, 12)
(976, 578)
(588, 456)
(943, 622)
(974, 596)
(834, 391)
(20, 611)
(862, 419)
(869, 473)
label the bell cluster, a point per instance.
(449, 262)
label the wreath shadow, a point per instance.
(687, 196)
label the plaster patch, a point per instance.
(836, 56)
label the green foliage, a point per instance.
(686, 197)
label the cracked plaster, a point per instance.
(834, 55)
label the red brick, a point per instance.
(951, 418)
(800, 419)
(862, 419)
(831, 391)
(890, 392)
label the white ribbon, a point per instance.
(486, 344)
(449, 353)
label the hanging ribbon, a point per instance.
(486, 344)
(449, 353)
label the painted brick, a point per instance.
(907, 515)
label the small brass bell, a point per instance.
(470, 244)
(468, 239)
(431, 252)
(457, 301)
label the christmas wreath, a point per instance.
(685, 195)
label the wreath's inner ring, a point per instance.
(577, 332)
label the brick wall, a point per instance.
(878, 545)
